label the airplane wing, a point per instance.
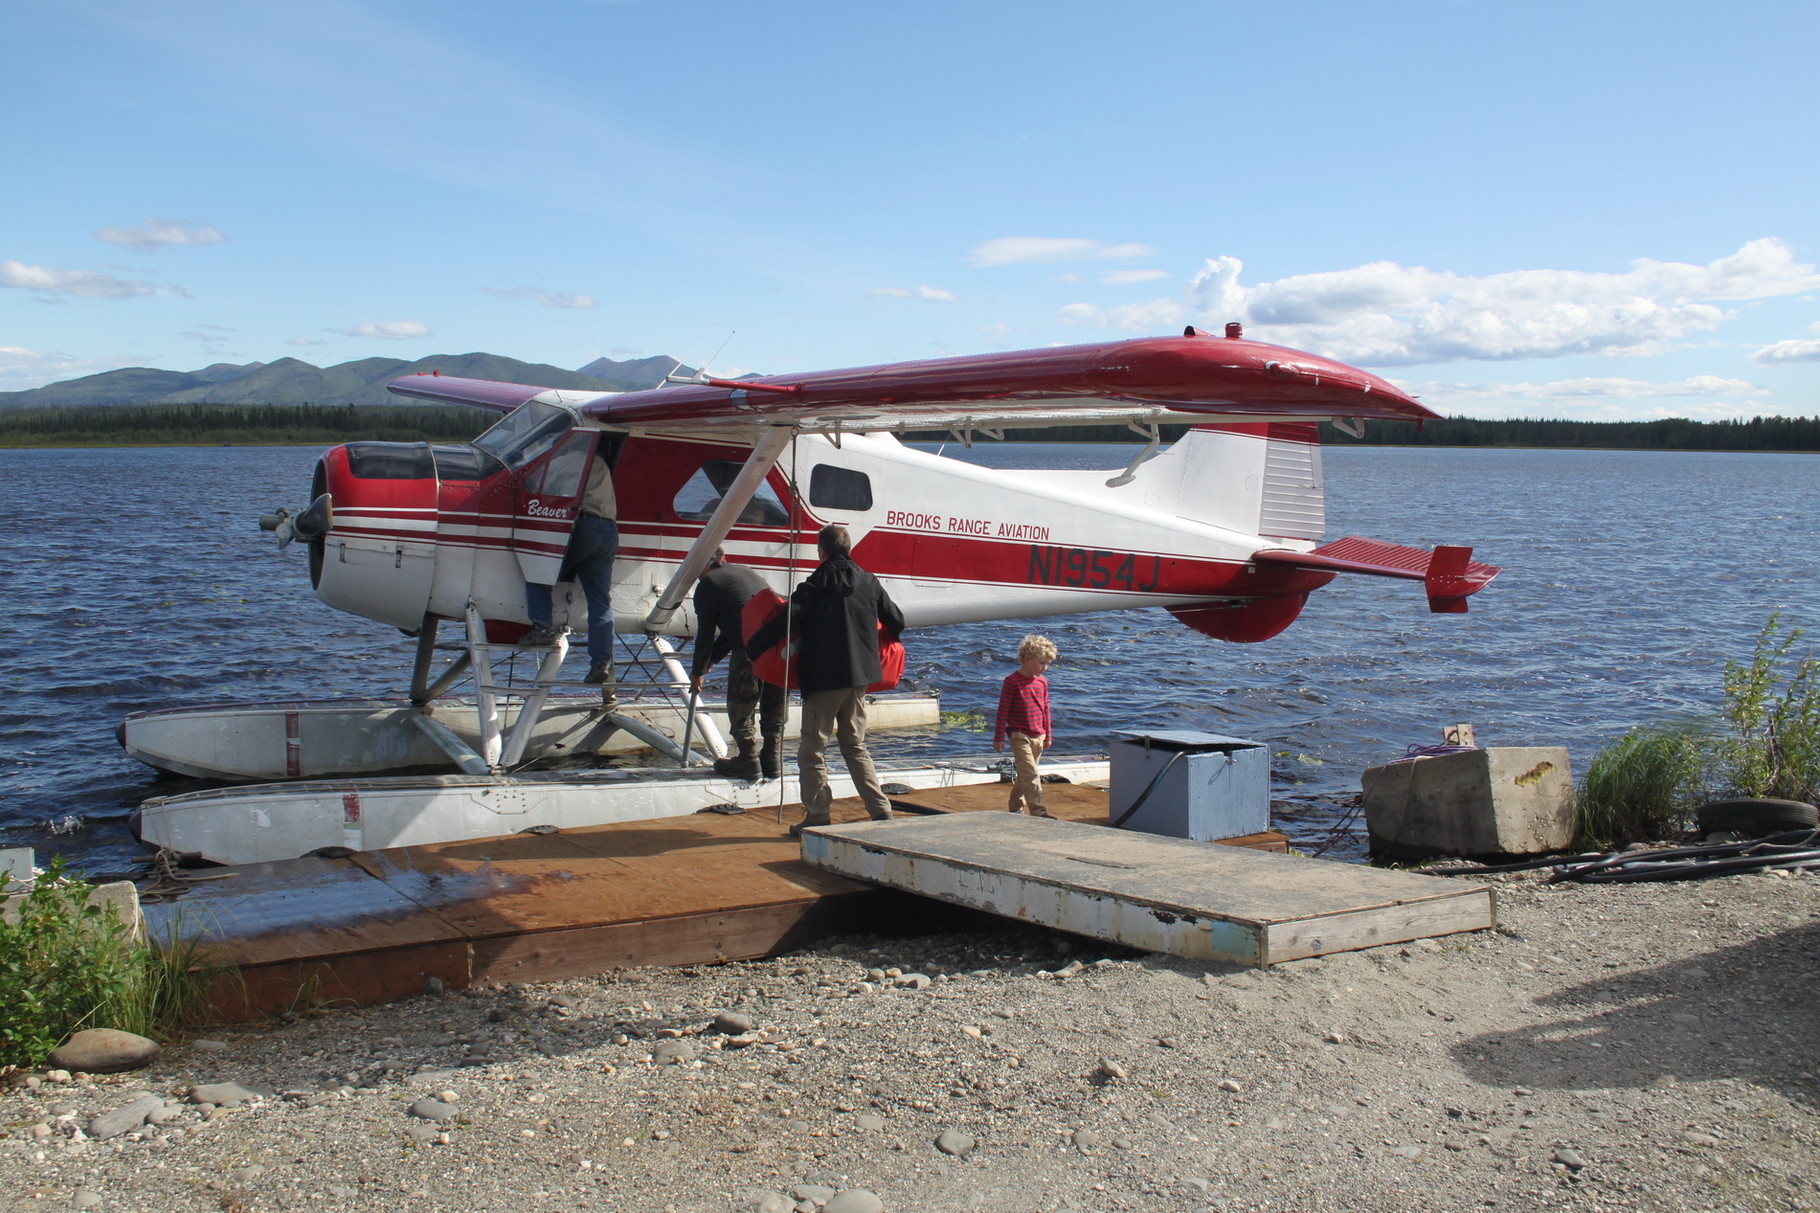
(1193, 378)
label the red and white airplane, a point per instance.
(1222, 528)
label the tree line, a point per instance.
(306, 424)
(216, 424)
(1675, 434)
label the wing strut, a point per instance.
(765, 453)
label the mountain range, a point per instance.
(293, 381)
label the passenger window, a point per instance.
(697, 499)
(839, 488)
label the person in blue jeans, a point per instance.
(589, 562)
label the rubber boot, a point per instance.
(771, 757)
(743, 765)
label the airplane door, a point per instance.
(548, 502)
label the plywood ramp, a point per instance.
(1158, 894)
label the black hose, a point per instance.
(1795, 847)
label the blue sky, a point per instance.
(1598, 210)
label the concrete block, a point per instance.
(1503, 800)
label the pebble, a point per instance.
(955, 1142)
(816, 1194)
(246, 1174)
(105, 1051)
(85, 1198)
(1569, 1159)
(227, 1094)
(911, 981)
(1227, 1084)
(854, 1200)
(433, 1109)
(124, 1119)
(209, 1046)
(870, 1122)
(673, 1052)
(732, 1023)
(1109, 1068)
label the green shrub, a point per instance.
(1645, 785)
(66, 965)
(1774, 713)
(1765, 743)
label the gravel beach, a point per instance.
(1647, 1046)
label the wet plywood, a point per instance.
(1159, 894)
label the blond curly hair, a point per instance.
(1040, 647)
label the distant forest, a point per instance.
(237, 424)
(306, 424)
(1757, 434)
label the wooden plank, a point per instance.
(1162, 894)
(707, 938)
(299, 909)
(1082, 802)
(357, 978)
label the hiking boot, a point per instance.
(540, 636)
(601, 673)
(743, 765)
(796, 831)
(771, 757)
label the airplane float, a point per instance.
(1222, 528)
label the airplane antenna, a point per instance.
(701, 372)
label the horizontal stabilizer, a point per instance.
(1449, 574)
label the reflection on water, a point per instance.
(136, 579)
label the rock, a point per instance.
(209, 1046)
(1109, 1068)
(817, 1194)
(673, 1052)
(1196, 1186)
(435, 987)
(955, 1142)
(105, 1051)
(432, 1109)
(1085, 1139)
(854, 1200)
(423, 1135)
(732, 1023)
(1569, 1159)
(870, 1122)
(85, 1198)
(1699, 1139)
(1407, 1151)
(126, 1119)
(1227, 1084)
(227, 1094)
(246, 1174)
(911, 981)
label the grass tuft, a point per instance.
(66, 965)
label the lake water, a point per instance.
(136, 578)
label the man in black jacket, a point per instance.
(836, 615)
(720, 597)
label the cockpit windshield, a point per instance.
(525, 433)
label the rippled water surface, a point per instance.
(136, 578)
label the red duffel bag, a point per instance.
(778, 667)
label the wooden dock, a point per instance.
(683, 890)
(1150, 892)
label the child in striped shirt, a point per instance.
(1023, 716)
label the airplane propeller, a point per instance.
(313, 523)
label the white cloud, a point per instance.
(307, 341)
(1596, 398)
(1027, 250)
(156, 233)
(1123, 277)
(547, 298)
(933, 294)
(1131, 317)
(22, 369)
(1386, 314)
(87, 284)
(1798, 349)
(387, 330)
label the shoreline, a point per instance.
(1621, 1046)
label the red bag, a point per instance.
(778, 667)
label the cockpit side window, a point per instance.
(525, 433)
(836, 488)
(697, 498)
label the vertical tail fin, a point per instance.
(1261, 478)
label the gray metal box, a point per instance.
(1190, 785)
